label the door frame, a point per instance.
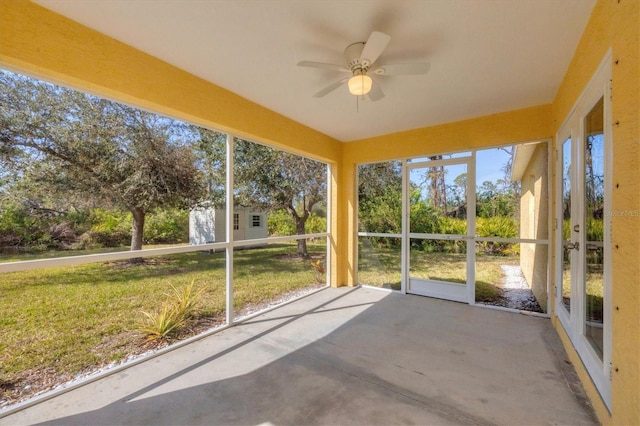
(441, 289)
(572, 322)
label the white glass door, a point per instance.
(583, 295)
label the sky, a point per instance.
(489, 164)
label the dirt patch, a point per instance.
(297, 257)
(143, 262)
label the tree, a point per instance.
(211, 151)
(437, 187)
(80, 145)
(378, 179)
(271, 179)
(380, 197)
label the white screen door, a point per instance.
(438, 237)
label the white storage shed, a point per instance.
(207, 225)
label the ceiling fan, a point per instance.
(361, 58)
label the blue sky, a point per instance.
(489, 164)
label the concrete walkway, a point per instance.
(343, 356)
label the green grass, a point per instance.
(380, 267)
(71, 318)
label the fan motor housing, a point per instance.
(352, 55)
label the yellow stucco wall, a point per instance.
(614, 24)
(534, 222)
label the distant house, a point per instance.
(530, 168)
(208, 224)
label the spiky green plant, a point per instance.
(176, 311)
(162, 324)
(184, 299)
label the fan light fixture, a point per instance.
(360, 85)
(360, 58)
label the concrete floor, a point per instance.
(344, 356)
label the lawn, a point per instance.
(67, 320)
(380, 267)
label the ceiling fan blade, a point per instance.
(403, 69)
(330, 88)
(376, 92)
(323, 65)
(374, 46)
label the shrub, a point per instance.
(184, 299)
(500, 227)
(424, 219)
(109, 228)
(382, 214)
(450, 225)
(20, 229)
(315, 224)
(177, 309)
(280, 223)
(167, 227)
(162, 324)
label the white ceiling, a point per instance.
(486, 56)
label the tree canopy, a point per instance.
(62, 146)
(271, 179)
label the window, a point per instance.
(236, 221)
(256, 221)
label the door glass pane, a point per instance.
(566, 224)
(594, 213)
(438, 260)
(438, 199)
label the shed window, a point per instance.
(256, 221)
(236, 221)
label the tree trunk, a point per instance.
(137, 231)
(302, 244)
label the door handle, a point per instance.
(575, 246)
